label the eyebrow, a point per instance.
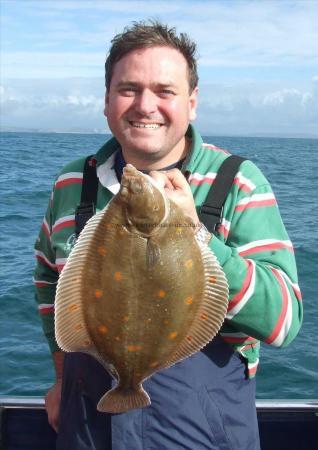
(137, 84)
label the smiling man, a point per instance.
(149, 104)
(206, 402)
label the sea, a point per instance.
(29, 165)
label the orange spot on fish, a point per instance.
(189, 338)
(161, 293)
(148, 320)
(166, 322)
(118, 276)
(109, 226)
(86, 343)
(189, 300)
(153, 364)
(212, 280)
(102, 329)
(98, 293)
(133, 348)
(73, 307)
(101, 250)
(125, 318)
(78, 327)
(189, 264)
(173, 335)
(117, 338)
(204, 316)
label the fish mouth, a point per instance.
(130, 170)
(145, 125)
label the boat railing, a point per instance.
(261, 405)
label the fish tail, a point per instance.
(121, 399)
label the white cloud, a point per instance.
(53, 104)
(252, 108)
(242, 108)
(48, 46)
(238, 34)
(52, 64)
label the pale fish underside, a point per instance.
(138, 292)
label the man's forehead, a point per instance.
(165, 62)
(157, 55)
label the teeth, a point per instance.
(145, 125)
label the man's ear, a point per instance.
(193, 103)
(106, 104)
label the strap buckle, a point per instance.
(82, 214)
(211, 216)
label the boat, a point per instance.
(283, 424)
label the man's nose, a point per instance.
(146, 102)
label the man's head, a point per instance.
(151, 34)
(151, 94)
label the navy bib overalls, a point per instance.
(202, 403)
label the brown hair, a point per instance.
(151, 34)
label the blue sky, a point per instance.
(258, 62)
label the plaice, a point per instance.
(138, 292)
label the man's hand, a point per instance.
(177, 190)
(52, 404)
(53, 396)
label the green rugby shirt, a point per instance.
(252, 246)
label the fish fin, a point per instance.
(152, 252)
(120, 399)
(211, 315)
(70, 328)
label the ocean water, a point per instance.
(29, 164)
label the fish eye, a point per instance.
(124, 191)
(136, 187)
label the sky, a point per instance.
(258, 62)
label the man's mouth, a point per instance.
(152, 126)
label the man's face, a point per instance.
(148, 105)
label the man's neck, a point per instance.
(147, 162)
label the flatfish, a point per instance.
(138, 292)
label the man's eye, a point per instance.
(166, 93)
(128, 91)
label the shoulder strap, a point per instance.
(210, 213)
(87, 207)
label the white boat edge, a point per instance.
(28, 402)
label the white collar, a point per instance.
(107, 175)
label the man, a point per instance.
(208, 400)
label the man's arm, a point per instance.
(53, 396)
(45, 279)
(258, 260)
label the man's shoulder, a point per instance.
(103, 153)
(212, 157)
(76, 165)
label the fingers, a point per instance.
(177, 179)
(161, 179)
(177, 190)
(170, 179)
(52, 405)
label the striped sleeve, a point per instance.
(259, 262)
(46, 277)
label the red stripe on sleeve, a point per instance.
(283, 313)
(67, 223)
(238, 297)
(68, 181)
